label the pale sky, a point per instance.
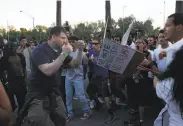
(75, 11)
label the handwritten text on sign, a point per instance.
(115, 57)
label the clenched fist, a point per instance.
(67, 48)
(80, 45)
(162, 55)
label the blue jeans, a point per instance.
(78, 85)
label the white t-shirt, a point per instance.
(162, 64)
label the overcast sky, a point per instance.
(76, 11)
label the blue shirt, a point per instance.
(75, 73)
(98, 70)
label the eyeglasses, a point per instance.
(95, 43)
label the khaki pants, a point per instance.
(38, 116)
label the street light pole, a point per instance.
(164, 12)
(29, 16)
(33, 22)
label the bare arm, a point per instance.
(43, 62)
(5, 107)
(77, 60)
(51, 68)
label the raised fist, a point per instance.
(162, 55)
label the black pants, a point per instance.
(115, 85)
(142, 93)
(90, 76)
(98, 86)
(62, 89)
(18, 88)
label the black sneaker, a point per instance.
(141, 122)
(68, 119)
(110, 119)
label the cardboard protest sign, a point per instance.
(119, 58)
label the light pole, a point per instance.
(164, 12)
(29, 16)
(123, 17)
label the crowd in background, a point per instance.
(163, 54)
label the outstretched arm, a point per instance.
(5, 107)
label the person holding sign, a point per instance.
(99, 83)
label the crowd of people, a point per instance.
(45, 78)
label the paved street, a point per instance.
(98, 117)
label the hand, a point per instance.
(162, 55)
(145, 62)
(67, 48)
(155, 81)
(141, 69)
(80, 45)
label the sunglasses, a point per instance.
(95, 43)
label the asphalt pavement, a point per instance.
(98, 117)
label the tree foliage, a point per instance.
(87, 30)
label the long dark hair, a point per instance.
(175, 70)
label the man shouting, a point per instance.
(44, 104)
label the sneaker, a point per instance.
(101, 100)
(141, 122)
(75, 98)
(86, 115)
(92, 104)
(119, 102)
(69, 118)
(110, 119)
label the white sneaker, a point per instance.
(101, 100)
(75, 98)
(118, 102)
(92, 104)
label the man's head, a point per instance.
(174, 27)
(58, 36)
(117, 40)
(73, 41)
(23, 41)
(32, 44)
(161, 38)
(151, 40)
(96, 44)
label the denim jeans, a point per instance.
(78, 86)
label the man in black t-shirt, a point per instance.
(46, 107)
